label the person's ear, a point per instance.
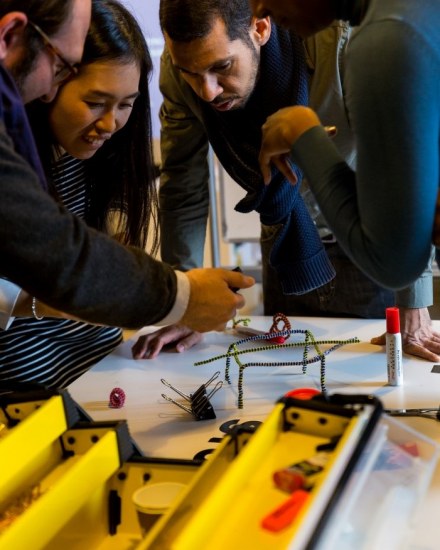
(12, 26)
(261, 27)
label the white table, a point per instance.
(162, 429)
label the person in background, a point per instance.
(47, 250)
(220, 69)
(383, 212)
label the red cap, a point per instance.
(302, 393)
(277, 339)
(393, 320)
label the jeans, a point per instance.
(349, 294)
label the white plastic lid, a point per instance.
(157, 497)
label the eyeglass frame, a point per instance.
(68, 68)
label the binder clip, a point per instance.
(199, 404)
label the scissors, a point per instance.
(433, 413)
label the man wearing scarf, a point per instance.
(222, 74)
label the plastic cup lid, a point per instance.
(157, 497)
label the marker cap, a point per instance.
(302, 393)
(285, 514)
(393, 320)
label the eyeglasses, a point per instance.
(67, 70)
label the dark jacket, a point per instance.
(55, 257)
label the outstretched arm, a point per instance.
(55, 257)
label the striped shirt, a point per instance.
(55, 352)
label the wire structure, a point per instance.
(308, 342)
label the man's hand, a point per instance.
(279, 133)
(212, 303)
(418, 336)
(149, 346)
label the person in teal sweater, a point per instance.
(383, 213)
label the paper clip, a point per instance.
(199, 404)
(432, 413)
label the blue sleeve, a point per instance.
(383, 214)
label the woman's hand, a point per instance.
(279, 133)
(418, 335)
(149, 346)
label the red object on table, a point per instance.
(302, 393)
(117, 398)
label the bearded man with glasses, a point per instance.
(64, 69)
(41, 42)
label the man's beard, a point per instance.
(21, 70)
(253, 78)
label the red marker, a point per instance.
(394, 347)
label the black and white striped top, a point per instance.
(53, 351)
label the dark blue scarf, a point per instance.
(297, 255)
(14, 116)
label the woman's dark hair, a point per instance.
(121, 172)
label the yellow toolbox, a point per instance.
(68, 482)
(373, 460)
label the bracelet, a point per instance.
(34, 310)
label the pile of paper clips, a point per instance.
(198, 404)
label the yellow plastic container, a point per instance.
(77, 480)
(68, 484)
(227, 501)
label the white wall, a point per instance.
(147, 14)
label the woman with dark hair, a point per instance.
(83, 118)
(95, 143)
